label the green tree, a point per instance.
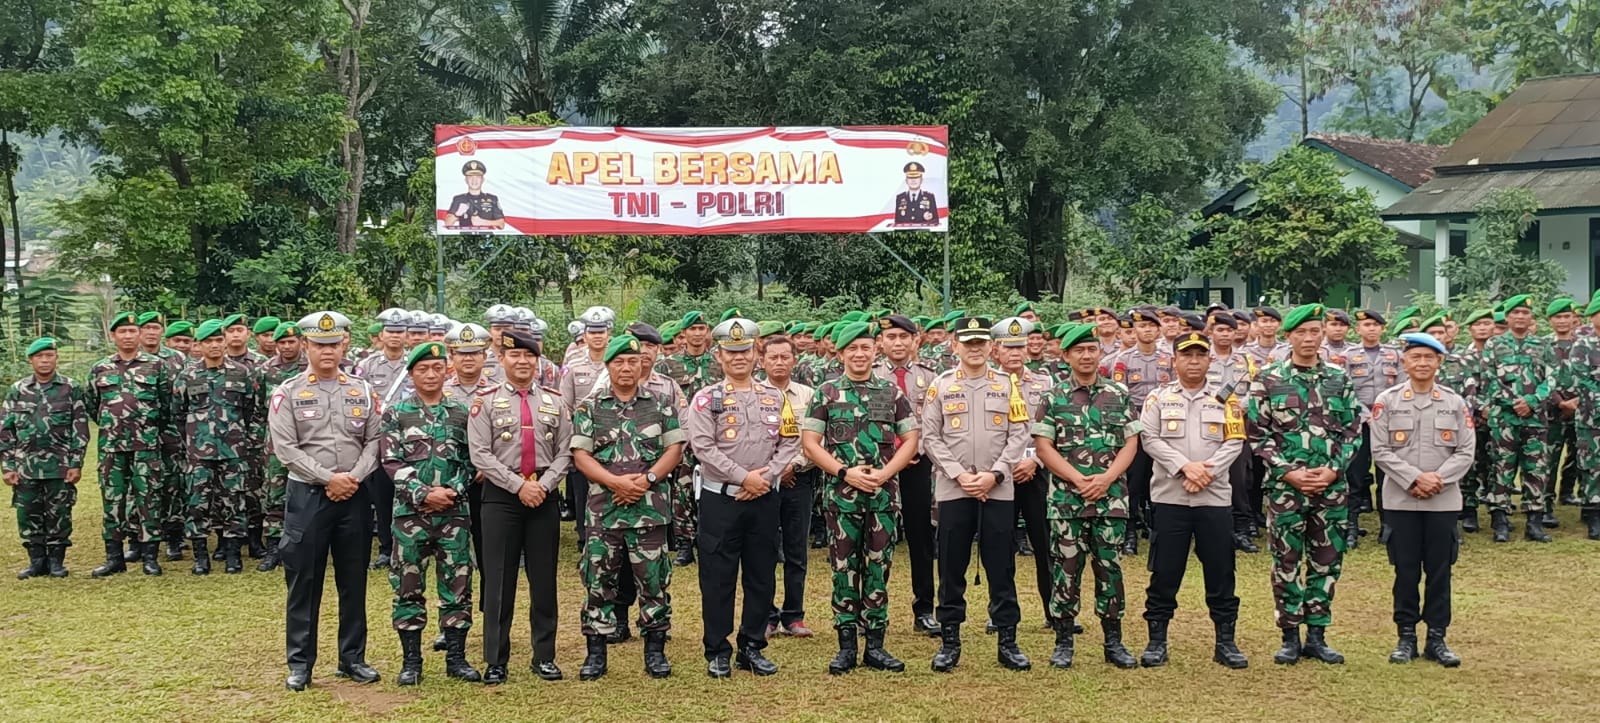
(1548, 37)
(1147, 255)
(31, 50)
(1399, 61)
(1492, 267)
(1306, 233)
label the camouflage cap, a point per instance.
(621, 346)
(426, 351)
(43, 343)
(181, 327)
(847, 331)
(266, 325)
(208, 329)
(1299, 315)
(284, 331)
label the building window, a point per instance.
(1458, 243)
(1195, 297)
(1594, 250)
(1529, 244)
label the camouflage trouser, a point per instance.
(254, 493)
(447, 540)
(1475, 486)
(44, 511)
(1518, 448)
(642, 552)
(1074, 541)
(1587, 451)
(128, 481)
(860, 550)
(1559, 468)
(216, 498)
(274, 495)
(172, 495)
(1309, 539)
(685, 513)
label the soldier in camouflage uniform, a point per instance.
(423, 443)
(1480, 327)
(861, 432)
(1086, 436)
(898, 365)
(1580, 377)
(43, 434)
(221, 405)
(692, 369)
(1519, 369)
(288, 361)
(626, 439)
(129, 397)
(1303, 419)
(1562, 471)
(170, 496)
(263, 330)
(179, 336)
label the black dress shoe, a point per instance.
(685, 557)
(546, 670)
(1243, 543)
(381, 562)
(494, 675)
(717, 667)
(927, 625)
(357, 672)
(299, 679)
(752, 660)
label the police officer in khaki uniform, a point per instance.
(583, 370)
(325, 432)
(975, 426)
(1011, 356)
(1424, 441)
(1193, 432)
(519, 436)
(385, 370)
(1141, 368)
(897, 342)
(1373, 368)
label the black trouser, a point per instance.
(1362, 477)
(475, 506)
(381, 489)
(992, 522)
(1244, 515)
(313, 527)
(794, 523)
(1030, 505)
(1258, 490)
(511, 529)
(1210, 530)
(1139, 491)
(736, 538)
(578, 496)
(916, 509)
(1422, 546)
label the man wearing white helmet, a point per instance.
(499, 318)
(575, 347)
(577, 380)
(417, 329)
(548, 373)
(438, 324)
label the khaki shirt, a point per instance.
(320, 427)
(383, 374)
(494, 437)
(799, 400)
(1372, 370)
(1183, 426)
(1415, 433)
(579, 378)
(1140, 372)
(919, 377)
(733, 432)
(967, 427)
(454, 389)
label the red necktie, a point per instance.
(530, 455)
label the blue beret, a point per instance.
(1411, 340)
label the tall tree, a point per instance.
(1547, 37)
(31, 48)
(1492, 268)
(1400, 62)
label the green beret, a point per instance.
(1594, 306)
(1560, 306)
(179, 328)
(1408, 313)
(849, 331)
(208, 329)
(1477, 315)
(1499, 317)
(732, 313)
(150, 317)
(233, 320)
(625, 344)
(124, 318)
(823, 331)
(1079, 334)
(932, 323)
(1024, 306)
(41, 344)
(692, 318)
(266, 325)
(768, 328)
(1438, 319)
(853, 316)
(953, 315)
(794, 327)
(1516, 301)
(1302, 314)
(285, 329)
(375, 328)
(425, 351)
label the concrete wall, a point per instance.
(1565, 240)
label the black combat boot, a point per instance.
(115, 562)
(441, 643)
(151, 551)
(1316, 646)
(845, 661)
(623, 633)
(1130, 546)
(269, 559)
(253, 538)
(594, 664)
(455, 655)
(655, 654)
(685, 556)
(1500, 522)
(1009, 655)
(135, 552)
(752, 659)
(1469, 519)
(1155, 652)
(1549, 518)
(1021, 543)
(1289, 654)
(949, 655)
(231, 564)
(410, 657)
(1405, 650)
(1593, 520)
(57, 557)
(216, 552)
(174, 544)
(875, 657)
(38, 564)
(202, 558)
(1116, 654)
(1226, 651)
(1061, 657)
(1243, 543)
(1534, 531)
(1437, 651)
(1352, 531)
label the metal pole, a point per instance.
(913, 271)
(438, 259)
(946, 272)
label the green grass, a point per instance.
(180, 647)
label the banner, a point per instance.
(690, 181)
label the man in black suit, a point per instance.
(475, 209)
(915, 207)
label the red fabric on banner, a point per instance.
(579, 226)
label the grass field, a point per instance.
(185, 648)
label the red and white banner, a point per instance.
(685, 181)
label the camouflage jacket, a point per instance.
(1089, 425)
(1562, 348)
(249, 358)
(275, 371)
(424, 446)
(1514, 370)
(45, 429)
(131, 401)
(690, 371)
(1459, 373)
(860, 423)
(222, 410)
(626, 438)
(939, 356)
(1579, 377)
(1302, 418)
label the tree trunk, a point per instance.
(9, 163)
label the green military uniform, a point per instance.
(1563, 456)
(171, 494)
(1580, 377)
(220, 407)
(1518, 370)
(43, 434)
(1304, 418)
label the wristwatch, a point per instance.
(650, 477)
